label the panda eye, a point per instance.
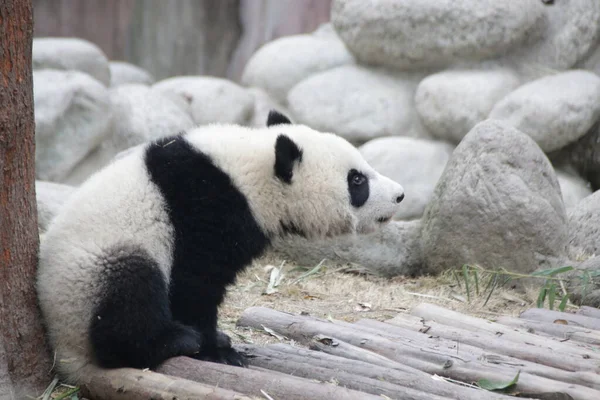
(358, 179)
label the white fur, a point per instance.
(120, 206)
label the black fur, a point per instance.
(286, 154)
(276, 118)
(132, 325)
(358, 186)
(216, 236)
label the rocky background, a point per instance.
(486, 111)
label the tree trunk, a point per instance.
(24, 362)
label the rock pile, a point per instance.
(487, 112)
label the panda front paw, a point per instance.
(222, 355)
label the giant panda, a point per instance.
(134, 267)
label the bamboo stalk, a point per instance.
(426, 356)
(254, 382)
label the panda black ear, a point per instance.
(277, 118)
(286, 154)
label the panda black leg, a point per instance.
(132, 325)
(196, 304)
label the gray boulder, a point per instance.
(584, 225)
(585, 292)
(566, 35)
(280, 64)
(451, 102)
(122, 73)
(263, 104)
(573, 188)
(416, 164)
(71, 54)
(495, 206)
(358, 103)
(211, 99)
(140, 114)
(414, 34)
(554, 110)
(72, 117)
(50, 198)
(393, 250)
(583, 155)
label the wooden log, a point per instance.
(498, 337)
(431, 358)
(586, 378)
(293, 359)
(592, 312)
(545, 315)
(343, 373)
(251, 381)
(559, 331)
(135, 384)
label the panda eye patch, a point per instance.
(358, 187)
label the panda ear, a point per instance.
(286, 154)
(276, 118)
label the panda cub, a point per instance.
(134, 267)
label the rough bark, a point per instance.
(24, 361)
(508, 353)
(134, 384)
(251, 382)
(589, 312)
(429, 354)
(559, 331)
(359, 375)
(544, 315)
(499, 338)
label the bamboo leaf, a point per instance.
(494, 282)
(541, 297)
(476, 277)
(466, 278)
(497, 385)
(563, 302)
(551, 295)
(552, 272)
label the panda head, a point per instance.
(323, 184)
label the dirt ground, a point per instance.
(340, 292)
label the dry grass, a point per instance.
(333, 292)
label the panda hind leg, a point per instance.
(132, 325)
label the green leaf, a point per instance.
(494, 282)
(552, 272)
(476, 276)
(563, 302)
(497, 385)
(541, 297)
(551, 295)
(466, 277)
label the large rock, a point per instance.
(212, 100)
(141, 114)
(568, 32)
(414, 34)
(71, 54)
(554, 110)
(584, 156)
(452, 102)
(415, 163)
(584, 225)
(573, 188)
(495, 206)
(72, 117)
(280, 64)
(50, 198)
(358, 103)
(585, 291)
(394, 250)
(122, 73)
(263, 104)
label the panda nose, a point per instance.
(399, 198)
